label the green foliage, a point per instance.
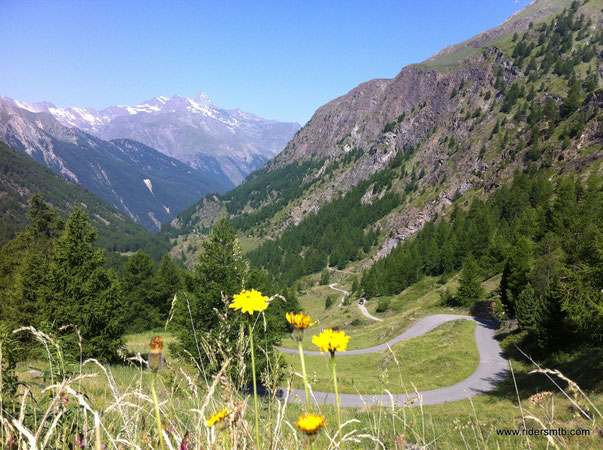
(201, 311)
(334, 234)
(79, 291)
(53, 278)
(470, 288)
(257, 193)
(383, 305)
(324, 277)
(21, 176)
(355, 285)
(148, 290)
(328, 302)
(535, 232)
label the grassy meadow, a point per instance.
(112, 406)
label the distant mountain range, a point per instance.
(226, 143)
(147, 185)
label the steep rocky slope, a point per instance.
(524, 98)
(21, 177)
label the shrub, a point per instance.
(382, 306)
(329, 302)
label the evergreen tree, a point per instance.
(573, 100)
(168, 280)
(80, 292)
(141, 292)
(355, 285)
(201, 314)
(324, 277)
(470, 288)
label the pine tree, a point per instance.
(168, 280)
(573, 100)
(324, 277)
(470, 288)
(80, 292)
(141, 292)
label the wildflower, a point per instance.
(300, 322)
(249, 301)
(156, 357)
(217, 418)
(538, 399)
(155, 363)
(331, 341)
(311, 423)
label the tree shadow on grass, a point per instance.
(579, 362)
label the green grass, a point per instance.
(440, 358)
(419, 300)
(249, 243)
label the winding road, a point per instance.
(491, 370)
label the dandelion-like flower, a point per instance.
(331, 341)
(311, 423)
(249, 301)
(156, 357)
(217, 418)
(300, 322)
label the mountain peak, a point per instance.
(202, 99)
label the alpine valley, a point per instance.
(438, 236)
(152, 160)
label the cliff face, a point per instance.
(456, 126)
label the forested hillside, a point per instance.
(528, 100)
(21, 178)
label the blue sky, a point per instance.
(277, 59)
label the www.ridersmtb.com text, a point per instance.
(544, 432)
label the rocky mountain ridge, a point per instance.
(147, 185)
(228, 143)
(442, 134)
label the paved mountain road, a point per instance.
(492, 369)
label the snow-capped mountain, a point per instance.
(146, 184)
(192, 130)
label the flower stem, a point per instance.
(303, 365)
(255, 389)
(336, 397)
(157, 413)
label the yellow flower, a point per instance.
(249, 302)
(217, 417)
(331, 341)
(300, 320)
(310, 423)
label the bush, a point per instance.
(448, 299)
(356, 322)
(329, 302)
(382, 306)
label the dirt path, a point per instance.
(364, 311)
(345, 293)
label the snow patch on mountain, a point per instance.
(149, 185)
